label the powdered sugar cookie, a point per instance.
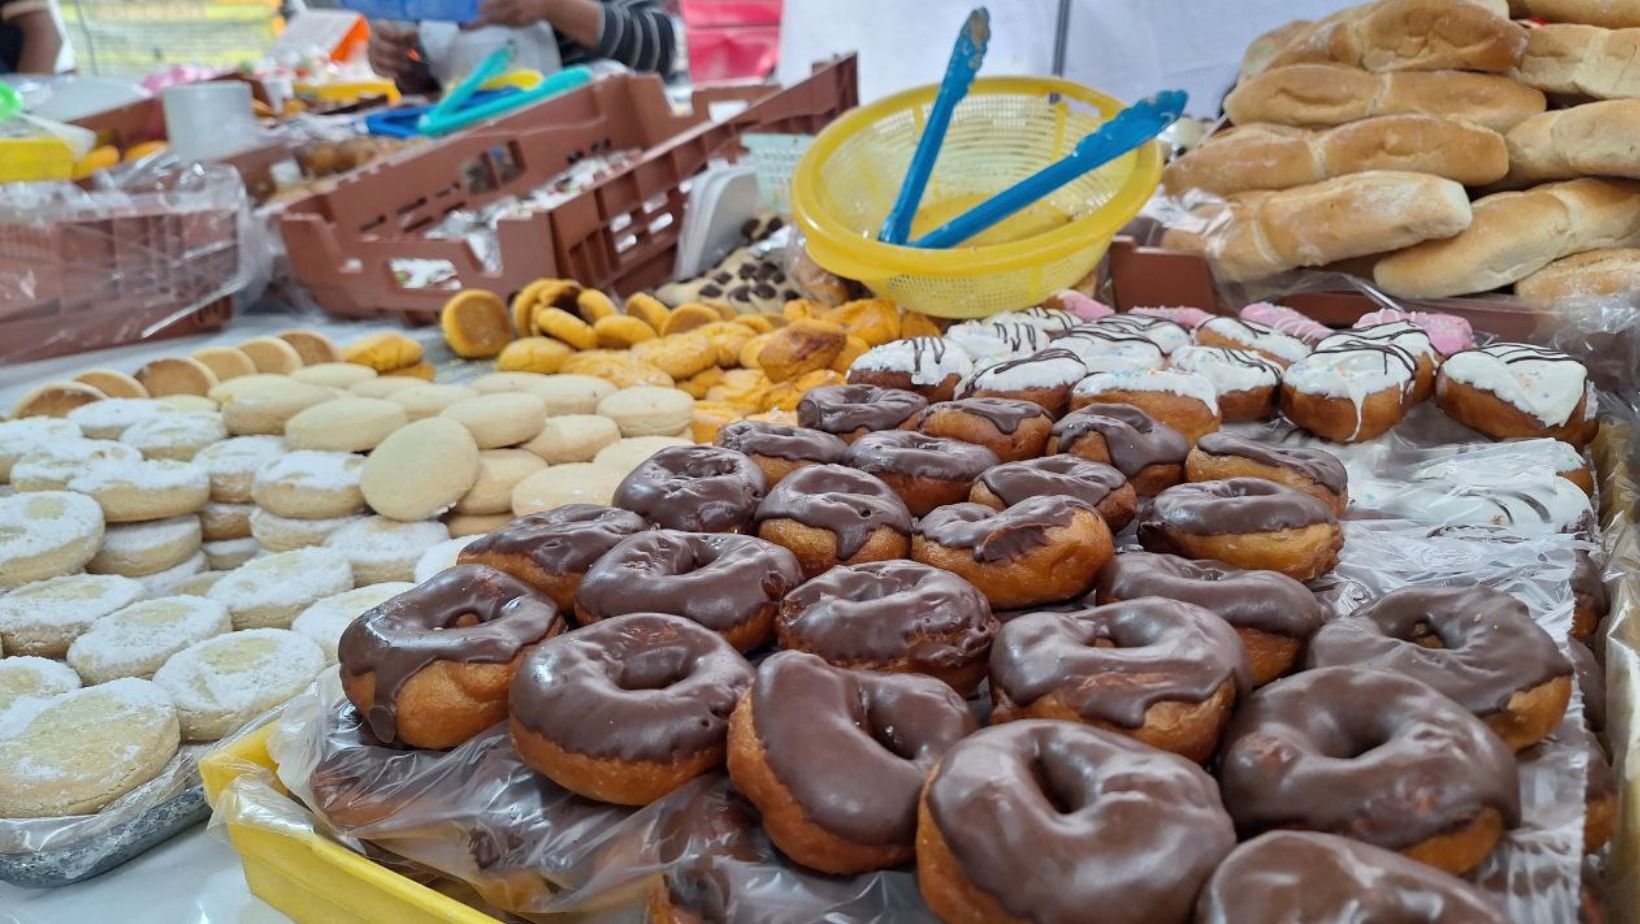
(31, 678)
(224, 682)
(501, 419)
(197, 585)
(164, 583)
(76, 752)
(44, 534)
(323, 622)
(151, 489)
(107, 419)
(270, 591)
(283, 534)
(1185, 401)
(557, 485)
(499, 470)
(189, 404)
(18, 438)
(346, 424)
(500, 382)
(263, 404)
(136, 549)
(426, 400)
(334, 375)
(381, 550)
(649, 411)
(43, 618)
(55, 399)
(233, 463)
(310, 484)
(312, 346)
(476, 524)
(421, 471)
(228, 554)
(175, 435)
(138, 639)
(227, 362)
(384, 386)
(218, 521)
(112, 384)
(177, 375)
(441, 557)
(272, 355)
(622, 457)
(573, 438)
(570, 394)
(52, 465)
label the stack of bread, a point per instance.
(1435, 145)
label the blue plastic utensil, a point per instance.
(1127, 130)
(966, 57)
(436, 123)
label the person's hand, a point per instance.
(389, 51)
(513, 12)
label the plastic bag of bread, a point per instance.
(1397, 35)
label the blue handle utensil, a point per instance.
(442, 120)
(1127, 130)
(966, 57)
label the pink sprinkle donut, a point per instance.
(1447, 332)
(1088, 309)
(1287, 321)
(1188, 318)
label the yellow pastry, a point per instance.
(387, 351)
(679, 356)
(852, 348)
(595, 306)
(476, 324)
(758, 323)
(799, 308)
(874, 320)
(710, 417)
(648, 309)
(542, 293)
(422, 370)
(913, 324)
(685, 318)
(533, 354)
(745, 388)
(560, 324)
(700, 383)
(801, 346)
(621, 332)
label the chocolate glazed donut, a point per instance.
(551, 550)
(430, 668)
(1247, 522)
(1272, 613)
(729, 584)
(834, 759)
(1166, 673)
(1057, 823)
(1100, 485)
(1476, 645)
(1316, 472)
(1324, 879)
(1040, 550)
(1590, 601)
(1375, 756)
(852, 411)
(829, 515)
(778, 449)
(896, 616)
(627, 710)
(1149, 453)
(1012, 429)
(694, 488)
(926, 471)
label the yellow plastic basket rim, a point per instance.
(850, 254)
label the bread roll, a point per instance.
(1515, 234)
(1595, 274)
(1331, 94)
(1278, 156)
(1396, 35)
(1612, 14)
(1348, 216)
(1595, 139)
(1581, 60)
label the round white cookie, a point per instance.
(222, 683)
(557, 485)
(346, 424)
(219, 521)
(441, 557)
(164, 583)
(380, 549)
(263, 404)
(649, 410)
(152, 489)
(197, 585)
(45, 617)
(190, 403)
(284, 534)
(232, 465)
(310, 484)
(44, 534)
(631, 452)
(428, 400)
(176, 435)
(51, 466)
(29, 677)
(228, 554)
(384, 385)
(476, 524)
(18, 438)
(334, 375)
(574, 438)
(110, 417)
(421, 470)
(75, 752)
(569, 394)
(324, 621)
(136, 549)
(499, 470)
(135, 641)
(499, 420)
(270, 591)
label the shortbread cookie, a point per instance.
(557, 485)
(218, 521)
(138, 639)
(499, 420)
(426, 400)
(45, 534)
(384, 386)
(283, 534)
(175, 435)
(29, 677)
(310, 484)
(111, 383)
(626, 455)
(190, 403)
(224, 682)
(18, 438)
(324, 621)
(51, 466)
(312, 346)
(476, 524)
(177, 375)
(649, 411)
(151, 489)
(502, 382)
(227, 362)
(164, 583)
(45, 617)
(381, 550)
(421, 470)
(136, 549)
(228, 554)
(441, 557)
(334, 375)
(571, 394)
(499, 470)
(233, 463)
(197, 585)
(55, 399)
(107, 419)
(263, 404)
(346, 424)
(573, 438)
(272, 355)
(270, 591)
(76, 752)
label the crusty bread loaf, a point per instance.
(1612, 14)
(1582, 60)
(1347, 216)
(1332, 94)
(1279, 157)
(1396, 35)
(1515, 234)
(1595, 139)
(1595, 274)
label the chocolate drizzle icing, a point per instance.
(1134, 440)
(844, 501)
(1001, 535)
(796, 444)
(870, 614)
(1264, 600)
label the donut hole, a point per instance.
(1059, 790)
(655, 669)
(881, 729)
(1424, 635)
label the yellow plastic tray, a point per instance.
(312, 879)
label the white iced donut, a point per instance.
(1517, 389)
(1104, 350)
(29, 677)
(51, 466)
(930, 366)
(1246, 383)
(108, 418)
(271, 591)
(232, 465)
(442, 556)
(1236, 334)
(1051, 321)
(381, 550)
(137, 640)
(222, 683)
(136, 549)
(310, 484)
(1166, 334)
(1043, 378)
(164, 583)
(284, 534)
(988, 343)
(44, 534)
(1403, 335)
(324, 621)
(18, 438)
(1349, 393)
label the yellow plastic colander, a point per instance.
(1005, 130)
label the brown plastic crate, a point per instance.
(620, 234)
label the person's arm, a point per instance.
(636, 33)
(42, 37)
